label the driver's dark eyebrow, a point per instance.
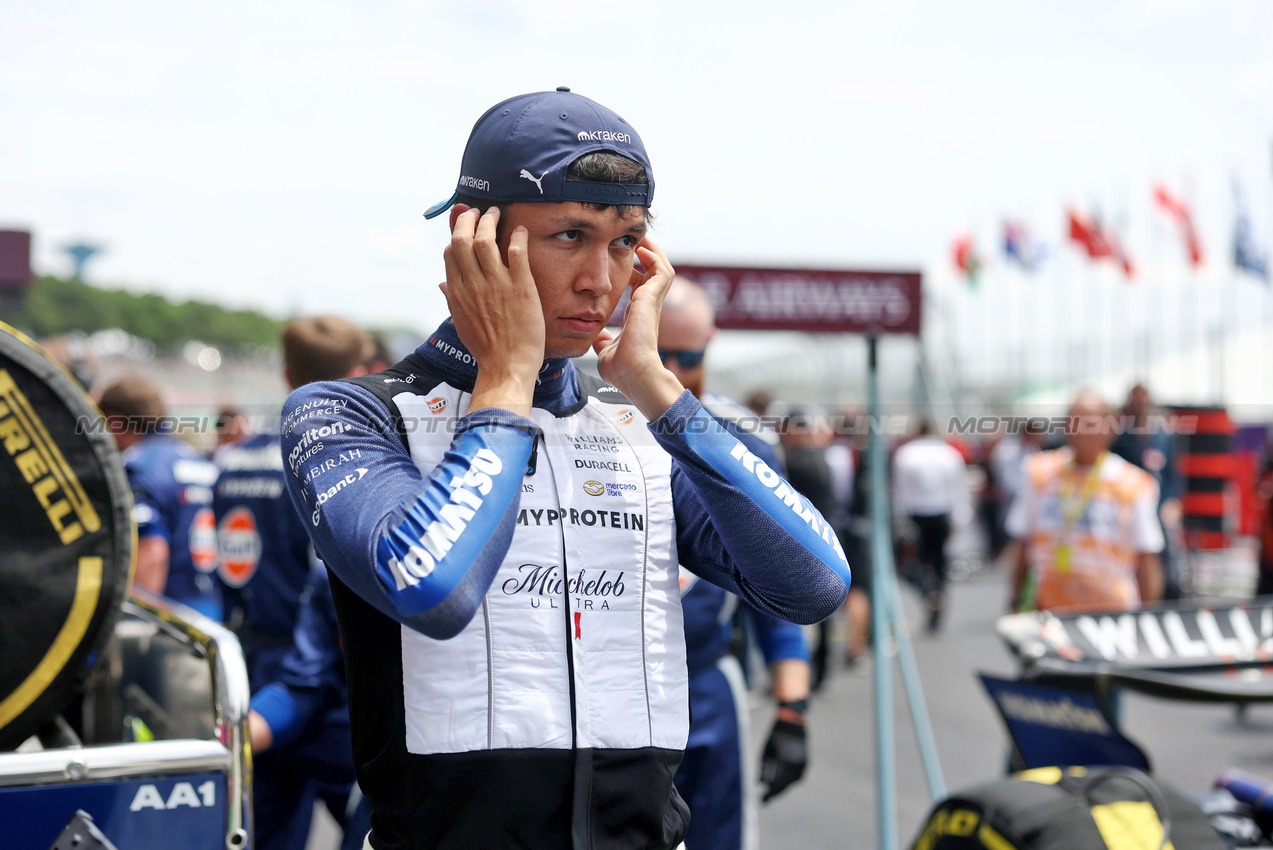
(560, 224)
(557, 225)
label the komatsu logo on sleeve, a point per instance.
(782, 490)
(422, 558)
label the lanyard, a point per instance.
(1073, 505)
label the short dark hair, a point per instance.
(382, 355)
(134, 400)
(323, 348)
(595, 167)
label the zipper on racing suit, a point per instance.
(580, 814)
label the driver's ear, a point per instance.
(456, 211)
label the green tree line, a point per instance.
(56, 305)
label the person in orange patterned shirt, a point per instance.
(1085, 527)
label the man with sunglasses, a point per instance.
(503, 549)
(714, 777)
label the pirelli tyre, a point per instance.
(66, 537)
(1071, 808)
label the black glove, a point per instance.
(786, 755)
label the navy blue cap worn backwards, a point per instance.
(519, 151)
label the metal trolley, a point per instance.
(161, 758)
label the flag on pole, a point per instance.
(1179, 212)
(1019, 246)
(967, 259)
(1088, 234)
(1247, 255)
(1098, 242)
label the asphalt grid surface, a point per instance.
(835, 805)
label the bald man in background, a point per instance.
(1085, 525)
(714, 778)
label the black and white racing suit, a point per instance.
(508, 597)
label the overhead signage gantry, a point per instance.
(776, 299)
(871, 303)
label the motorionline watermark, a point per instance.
(175, 424)
(904, 424)
(892, 425)
(1115, 424)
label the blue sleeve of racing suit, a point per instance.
(422, 549)
(312, 677)
(742, 527)
(778, 639)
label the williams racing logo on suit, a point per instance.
(594, 443)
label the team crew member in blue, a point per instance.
(505, 574)
(302, 718)
(265, 560)
(715, 778)
(1153, 449)
(172, 498)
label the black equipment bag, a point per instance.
(1073, 808)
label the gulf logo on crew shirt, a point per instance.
(624, 417)
(685, 579)
(203, 540)
(437, 405)
(240, 545)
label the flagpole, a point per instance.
(1062, 373)
(1103, 357)
(1049, 319)
(987, 309)
(1268, 285)
(1228, 362)
(1023, 368)
(1153, 320)
(1076, 343)
(1183, 322)
(1157, 309)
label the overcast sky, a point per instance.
(279, 155)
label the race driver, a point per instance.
(505, 570)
